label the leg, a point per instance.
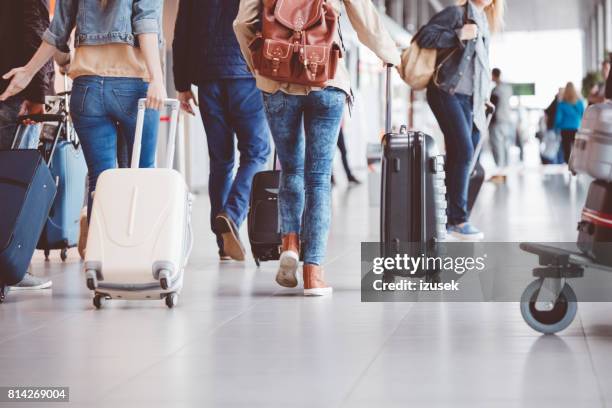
(247, 116)
(498, 142)
(97, 131)
(121, 97)
(220, 140)
(567, 141)
(285, 113)
(458, 137)
(321, 123)
(343, 155)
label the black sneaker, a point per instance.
(232, 246)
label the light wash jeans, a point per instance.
(305, 130)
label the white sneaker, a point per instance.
(287, 269)
(465, 232)
(31, 282)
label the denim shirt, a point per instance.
(442, 33)
(120, 21)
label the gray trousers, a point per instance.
(501, 137)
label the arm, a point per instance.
(145, 22)
(370, 30)
(245, 27)
(64, 20)
(150, 51)
(442, 30)
(36, 21)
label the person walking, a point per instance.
(459, 92)
(207, 54)
(502, 126)
(22, 24)
(568, 117)
(115, 65)
(305, 123)
(345, 163)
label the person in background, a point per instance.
(598, 93)
(207, 54)
(502, 127)
(345, 163)
(459, 92)
(115, 64)
(608, 93)
(305, 123)
(568, 117)
(22, 24)
(550, 114)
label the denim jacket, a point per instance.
(120, 21)
(442, 33)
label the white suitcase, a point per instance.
(140, 236)
(592, 152)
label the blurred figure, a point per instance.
(550, 149)
(608, 93)
(598, 93)
(567, 120)
(344, 156)
(502, 127)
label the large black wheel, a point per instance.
(548, 321)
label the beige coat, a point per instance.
(365, 20)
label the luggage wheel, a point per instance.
(548, 305)
(171, 300)
(92, 279)
(2, 293)
(64, 254)
(98, 300)
(47, 252)
(164, 279)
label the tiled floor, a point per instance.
(238, 340)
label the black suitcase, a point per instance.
(263, 223)
(27, 191)
(595, 227)
(413, 196)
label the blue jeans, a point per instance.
(456, 119)
(9, 112)
(305, 130)
(228, 107)
(103, 107)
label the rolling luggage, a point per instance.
(413, 196)
(477, 172)
(69, 171)
(263, 223)
(27, 190)
(140, 236)
(595, 227)
(592, 152)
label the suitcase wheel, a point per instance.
(98, 300)
(2, 293)
(64, 254)
(47, 252)
(171, 300)
(257, 262)
(560, 315)
(91, 283)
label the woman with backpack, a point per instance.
(568, 117)
(116, 63)
(294, 49)
(459, 92)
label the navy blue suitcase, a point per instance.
(27, 190)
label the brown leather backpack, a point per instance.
(296, 43)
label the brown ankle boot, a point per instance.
(289, 261)
(314, 283)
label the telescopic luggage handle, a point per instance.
(490, 110)
(388, 100)
(173, 105)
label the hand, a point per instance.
(469, 32)
(185, 98)
(64, 69)
(21, 78)
(31, 108)
(156, 95)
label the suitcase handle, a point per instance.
(171, 104)
(490, 110)
(388, 100)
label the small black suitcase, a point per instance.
(413, 196)
(27, 191)
(595, 227)
(263, 223)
